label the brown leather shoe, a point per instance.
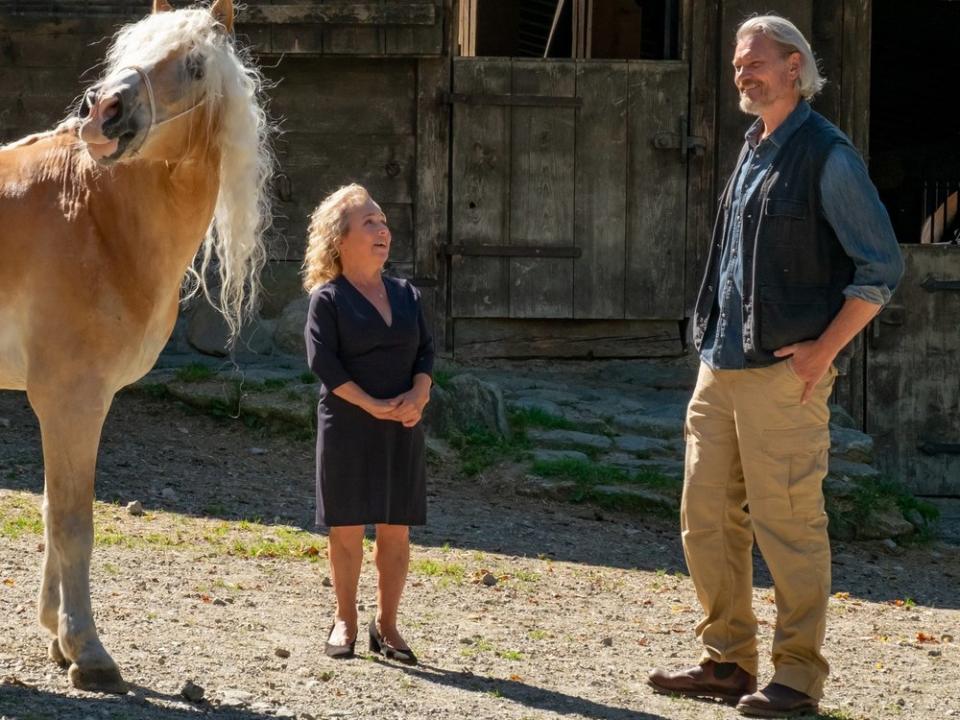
(723, 681)
(777, 701)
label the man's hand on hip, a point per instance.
(809, 361)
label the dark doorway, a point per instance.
(914, 125)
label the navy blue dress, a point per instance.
(368, 470)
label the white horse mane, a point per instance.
(233, 89)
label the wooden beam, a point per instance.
(490, 338)
(341, 12)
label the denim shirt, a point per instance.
(851, 206)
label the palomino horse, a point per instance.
(99, 221)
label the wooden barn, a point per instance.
(550, 167)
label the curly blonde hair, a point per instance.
(329, 223)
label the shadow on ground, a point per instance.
(26, 703)
(175, 459)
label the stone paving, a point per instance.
(622, 418)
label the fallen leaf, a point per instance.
(922, 637)
(842, 595)
(516, 678)
(205, 598)
(9, 582)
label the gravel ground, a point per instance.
(219, 584)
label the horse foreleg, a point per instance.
(49, 600)
(71, 436)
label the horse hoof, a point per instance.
(104, 680)
(56, 654)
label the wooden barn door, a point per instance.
(913, 388)
(568, 189)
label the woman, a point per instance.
(368, 343)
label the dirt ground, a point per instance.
(221, 582)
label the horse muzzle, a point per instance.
(111, 120)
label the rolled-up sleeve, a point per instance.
(425, 353)
(323, 341)
(853, 209)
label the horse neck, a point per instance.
(154, 214)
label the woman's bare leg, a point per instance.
(345, 551)
(392, 557)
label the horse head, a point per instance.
(161, 86)
(176, 87)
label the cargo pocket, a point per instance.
(798, 461)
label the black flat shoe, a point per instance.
(381, 647)
(338, 652)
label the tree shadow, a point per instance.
(521, 693)
(18, 700)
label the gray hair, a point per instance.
(785, 33)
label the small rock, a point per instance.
(607, 642)
(284, 712)
(946, 637)
(4, 422)
(168, 493)
(135, 508)
(934, 653)
(281, 653)
(233, 697)
(554, 455)
(258, 451)
(890, 545)
(191, 691)
(489, 580)
(326, 582)
(219, 602)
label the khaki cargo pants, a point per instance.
(755, 463)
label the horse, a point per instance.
(159, 176)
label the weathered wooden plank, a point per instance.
(541, 190)
(421, 41)
(54, 45)
(341, 95)
(432, 185)
(656, 192)
(565, 338)
(479, 287)
(702, 178)
(289, 39)
(600, 210)
(352, 40)
(855, 96)
(341, 12)
(827, 43)
(913, 394)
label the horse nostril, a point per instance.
(111, 110)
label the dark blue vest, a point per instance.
(795, 269)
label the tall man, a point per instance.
(802, 257)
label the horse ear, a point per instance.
(222, 11)
(160, 6)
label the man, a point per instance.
(803, 256)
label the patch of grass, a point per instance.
(523, 418)
(454, 572)
(514, 655)
(441, 378)
(849, 514)
(526, 576)
(156, 391)
(307, 378)
(477, 645)
(480, 449)
(195, 372)
(538, 634)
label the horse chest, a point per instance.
(13, 365)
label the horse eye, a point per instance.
(195, 67)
